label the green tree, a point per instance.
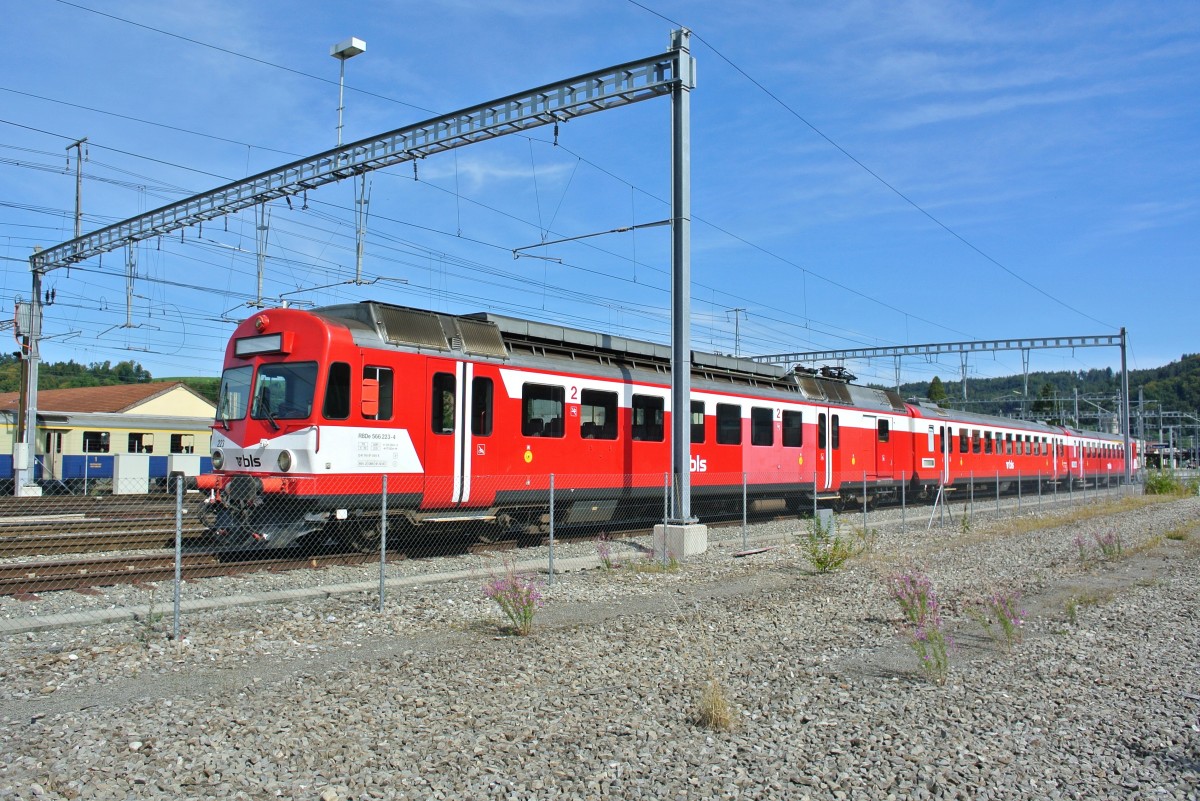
(937, 391)
(1043, 407)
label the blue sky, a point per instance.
(864, 173)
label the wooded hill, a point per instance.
(1176, 386)
(65, 375)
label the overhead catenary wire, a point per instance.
(458, 195)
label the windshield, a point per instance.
(234, 394)
(284, 391)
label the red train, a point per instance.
(468, 416)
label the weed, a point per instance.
(604, 551)
(826, 549)
(150, 628)
(518, 596)
(651, 563)
(1164, 482)
(867, 537)
(965, 523)
(1075, 602)
(918, 601)
(1109, 544)
(714, 711)
(1179, 534)
(1081, 544)
(1001, 617)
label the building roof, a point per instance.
(114, 399)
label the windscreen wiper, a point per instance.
(265, 412)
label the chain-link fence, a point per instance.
(163, 558)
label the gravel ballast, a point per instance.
(326, 698)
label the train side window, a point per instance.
(793, 429)
(941, 439)
(762, 426)
(1028, 445)
(337, 392)
(95, 442)
(697, 421)
(931, 439)
(597, 414)
(987, 441)
(976, 444)
(542, 410)
(442, 413)
(183, 443)
(647, 418)
(481, 407)
(964, 440)
(835, 434)
(729, 424)
(884, 431)
(141, 443)
(1008, 444)
(385, 377)
(822, 431)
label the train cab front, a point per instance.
(265, 435)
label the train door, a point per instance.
(870, 463)
(828, 447)
(885, 465)
(448, 445)
(947, 450)
(929, 458)
(52, 456)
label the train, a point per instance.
(467, 417)
(115, 438)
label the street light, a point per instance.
(348, 48)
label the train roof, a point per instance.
(536, 344)
(530, 343)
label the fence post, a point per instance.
(744, 510)
(1018, 490)
(382, 541)
(1039, 489)
(864, 503)
(997, 492)
(814, 493)
(666, 515)
(941, 508)
(550, 563)
(971, 505)
(903, 485)
(666, 503)
(178, 552)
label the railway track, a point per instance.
(41, 535)
(30, 578)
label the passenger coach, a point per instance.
(468, 416)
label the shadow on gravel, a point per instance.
(1170, 760)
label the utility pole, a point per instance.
(80, 155)
(25, 447)
(737, 331)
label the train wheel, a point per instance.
(362, 536)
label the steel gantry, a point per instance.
(897, 352)
(665, 74)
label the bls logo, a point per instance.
(699, 465)
(248, 461)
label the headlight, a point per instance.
(218, 460)
(285, 461)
